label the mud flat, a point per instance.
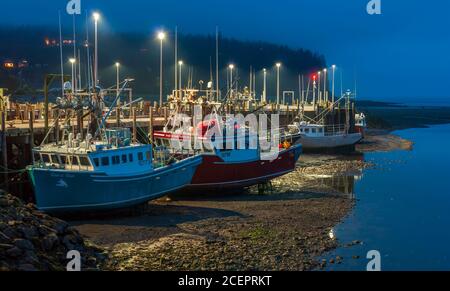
(383, 141)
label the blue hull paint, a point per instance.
(67, 191)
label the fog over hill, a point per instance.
(138, 54)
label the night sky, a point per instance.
(401, 55)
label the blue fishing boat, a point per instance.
(105, 170)
(81, 176)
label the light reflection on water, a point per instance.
(402, 209)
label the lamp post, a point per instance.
(180, 64)
(265, 87)
(72, 62)
(278, 83)
(231, 67)
(325, 84)
(118, 77)
(334, 71)
(96, 16)
(161, 37)
(318, 87)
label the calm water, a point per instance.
(403, 207)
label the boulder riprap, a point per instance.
(33, 241)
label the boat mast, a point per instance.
(176, 62)
(61, 56)
(217, 64)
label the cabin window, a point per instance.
(148, 156)
(321, 130)
(105, 161)
(75, 161)
(55, 159)
(115, 160)
(130, 158)
(124, 159)
(37, 157)
(140, 156)
(313, 130)
(84, 161)
(96, 162)
(306, 130)
(63, 160)
(46, 158)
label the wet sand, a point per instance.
(286, 228)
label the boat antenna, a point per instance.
(61, 55)
(176, 62)
(217, 64)
(342, 90)
(88, 54)
(75, 52)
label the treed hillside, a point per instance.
(139, 56)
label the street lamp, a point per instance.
(325, 96)
(118, 77)
(278, 82)
(231, 67)
(180, 64)
(72, 62)
(334, 71)
(96, 16)
(319, 93)
(265, 87)
(161, 37)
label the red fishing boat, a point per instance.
(236, 168)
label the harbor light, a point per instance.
(231, 66)
(96, 16)
(278, 82)
(72, 61)
(161, 35)
(117, 64)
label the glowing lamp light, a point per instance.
(72, 61)
(161, 35)
(278, 65)
(231, 67)
(117, 64)
(96, 16)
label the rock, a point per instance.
(356, 257)
(27, 268)
(5, 246)
(23, 244)
(4, 238)
(49, 242)
(61, 227)
(331, 261)
(29, 232)
(14, 252)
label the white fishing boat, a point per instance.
(316, 136)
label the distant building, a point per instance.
(51, 42)
(9, 65)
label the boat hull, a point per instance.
(64, 191)
(214, 173)
(329, 142)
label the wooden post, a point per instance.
(150, 128)
(166, 116)
(56, 129)
(134, 125)
(31, 123)
(4, 151)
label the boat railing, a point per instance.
(339, 129)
